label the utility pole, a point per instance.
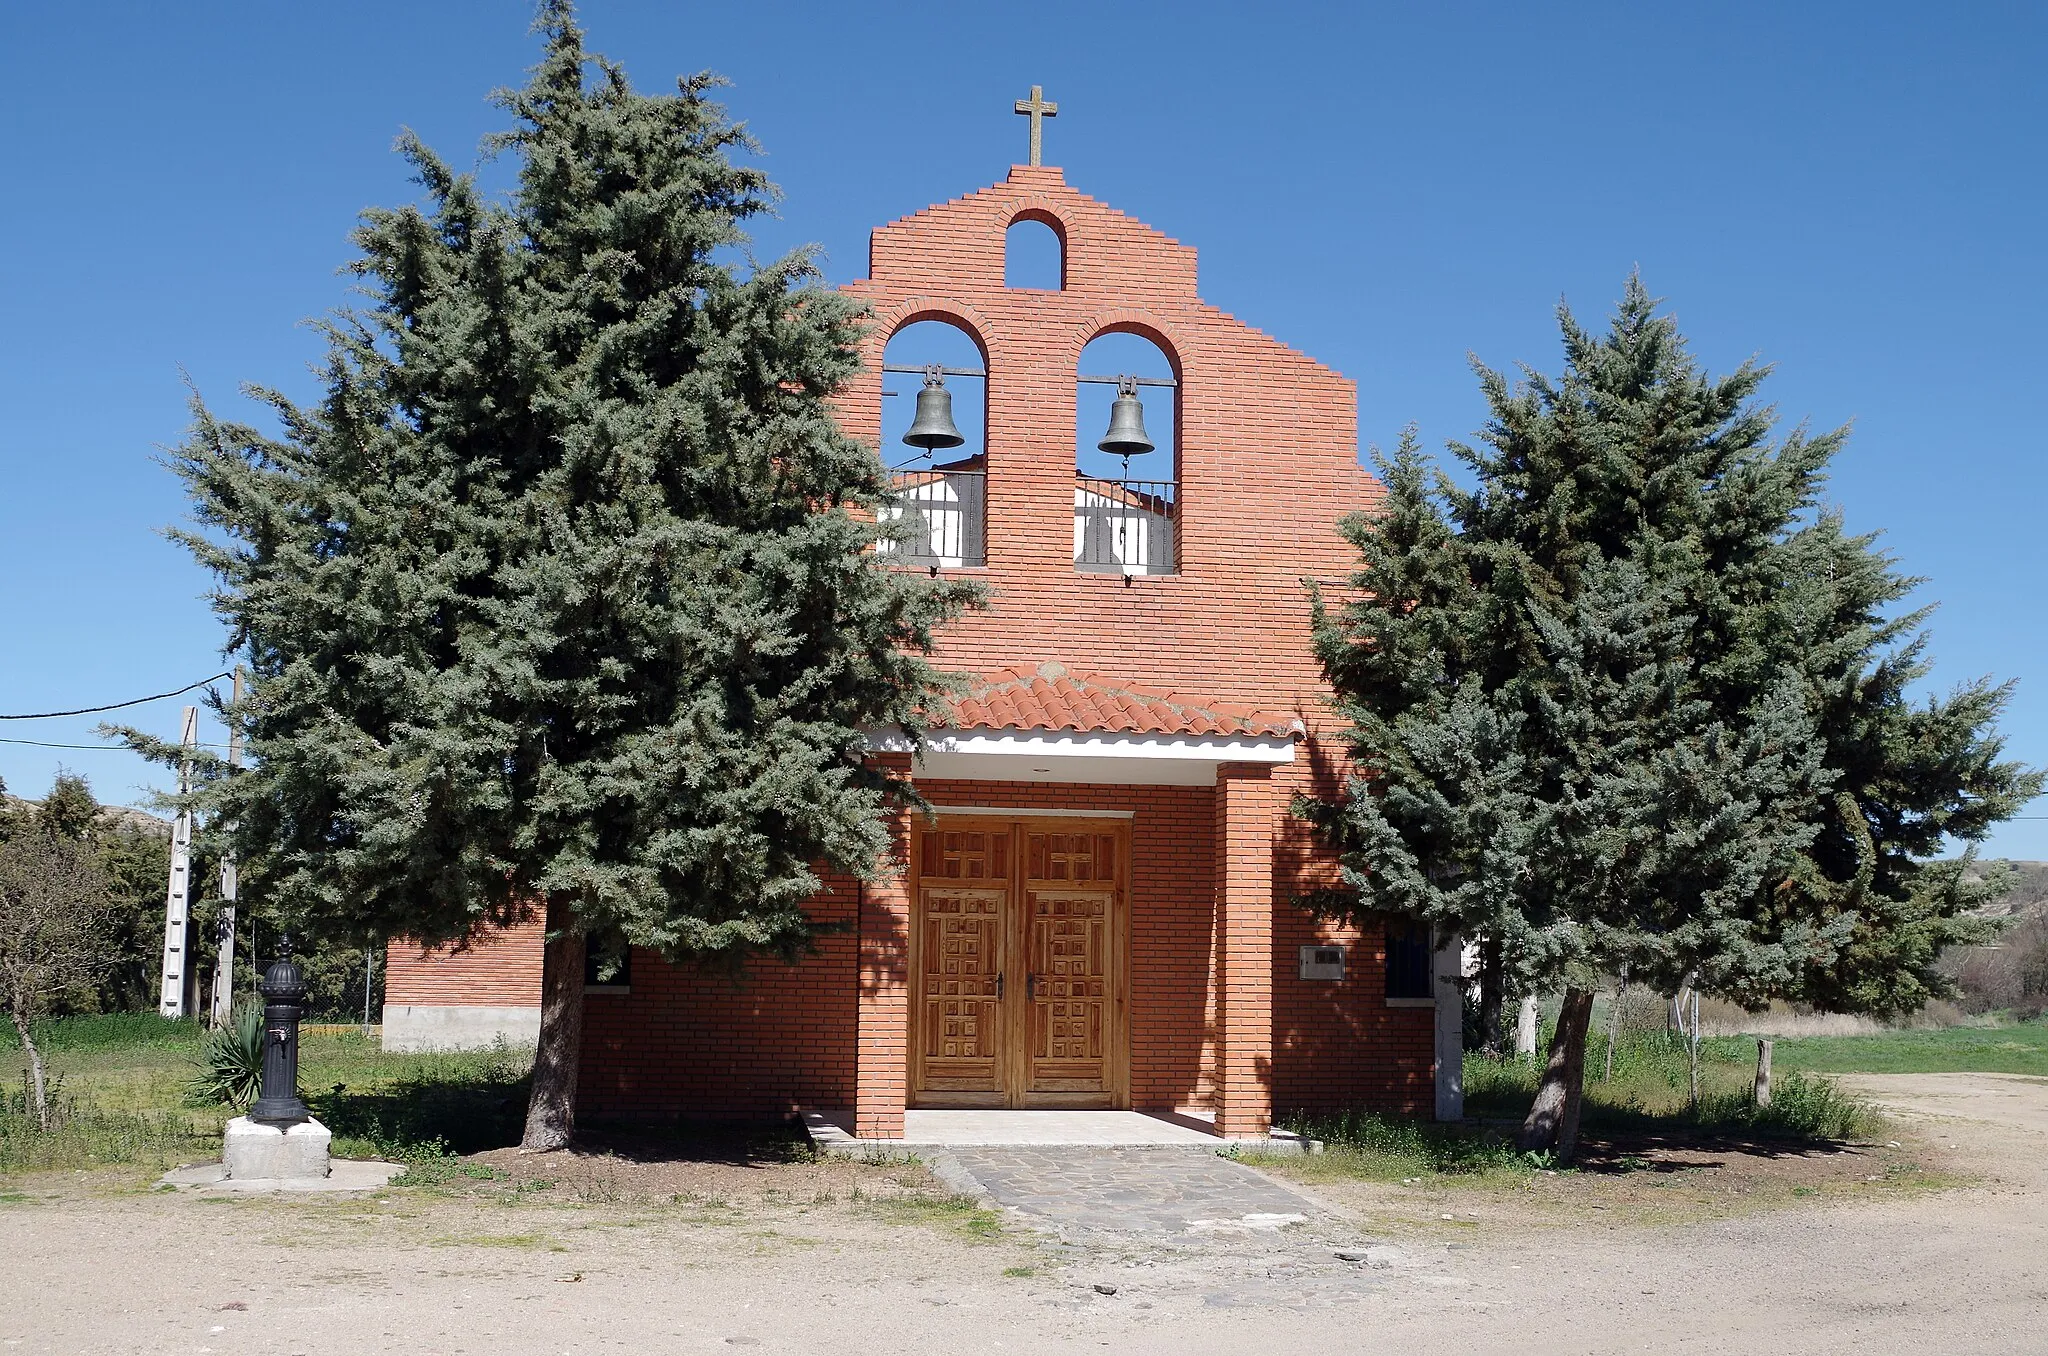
(177, 897)
(224, 967)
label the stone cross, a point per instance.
(1037, 109)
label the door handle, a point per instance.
(1031, 986)
(999, 983)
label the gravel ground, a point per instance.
(810, 1258)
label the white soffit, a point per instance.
(1104, 758)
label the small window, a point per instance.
(1033, 256)
(607, 963)
(1408, 959)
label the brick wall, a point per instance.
(1267, 450)
(779, 1037)
(499, 969)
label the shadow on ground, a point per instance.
(1680, 1152)
(465, 1115)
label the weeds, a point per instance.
(1648, 1092)
(83, 1136)
(1388, 1147)
(963, 1215)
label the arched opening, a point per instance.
(934, 418)
(1126, 458)
(1034, 255)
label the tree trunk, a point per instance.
(35, 1073)
(1553, 1121)
(1525, 1029)
(551, 1111)
(1491, 998)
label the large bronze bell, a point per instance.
(1126, 436)
(934, 427)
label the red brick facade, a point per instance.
(499, 970)
(1266, 454)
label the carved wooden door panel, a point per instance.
(964, 907)
(1070, 905)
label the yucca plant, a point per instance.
(231, 1064)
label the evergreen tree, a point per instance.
(563, 595)
(70, 811)
(1633, 701)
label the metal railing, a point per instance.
(941, 516)
(1125, 526)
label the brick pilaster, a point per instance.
(1246, 803)
(882, 1051)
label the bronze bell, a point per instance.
(1126, 436)
(934, 427)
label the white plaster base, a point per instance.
(261, 1150)
(420, 1026)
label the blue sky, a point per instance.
(1853, 192)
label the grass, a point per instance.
(124, 1085)
(1389, 1149)
(963, 1215)
(1646, 1098)
(2017, 1048)
(1648, 1093)
(538, 1241)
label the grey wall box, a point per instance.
(1322, 962)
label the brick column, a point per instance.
(1246, 804)
(882, 1047)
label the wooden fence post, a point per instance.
(1763, 1071)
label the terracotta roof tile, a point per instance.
(1052, 697)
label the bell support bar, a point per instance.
(919, 369)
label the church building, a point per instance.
(1097, 911)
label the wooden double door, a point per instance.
(1018, 954)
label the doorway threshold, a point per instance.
(830, 1131)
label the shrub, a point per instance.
(1803, 1106)
(231, 1063)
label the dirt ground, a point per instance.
(1938, 1245)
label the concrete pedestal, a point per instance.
(262, 1149)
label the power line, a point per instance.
(96, 748)
(116, 706)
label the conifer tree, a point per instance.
(1634, 701)
(562, 595)
(70, 811)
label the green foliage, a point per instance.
(2016, 1049)
(1637, 699)
(231, 1060)
(1391, 1148)
(564, 588)
(1649, 1091)
(1803, 1106)
(82, 1135)
(109, 1031)
(138, 864)
(457, 1103)
(69, 811)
